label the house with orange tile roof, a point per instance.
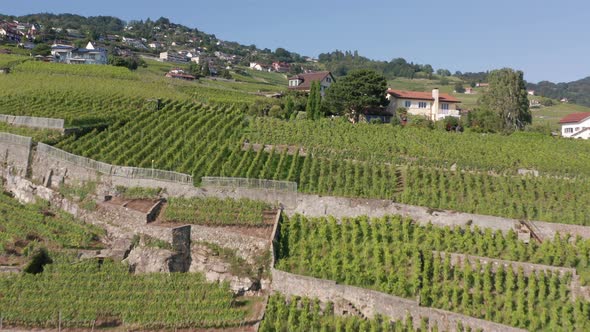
(433, 105)
(576, 125)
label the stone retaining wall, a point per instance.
(15, 156)
(527, 268)
(308, 205)
(154, 211)
(247, 247)
(339, 207)
(371, 302)
(577, 290)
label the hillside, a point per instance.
(149, 38)
(116, 108)
(577, 92)
(205, 205)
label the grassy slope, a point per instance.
(252, 82)
(553, 114)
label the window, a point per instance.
(329, 80)
(422, 104)
(407, 104)
(444, 106)
(568, 130)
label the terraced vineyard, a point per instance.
(215, 211)
(307, 315)
(38, 135)
(433, 148)
(394, 256)
(22, 225)
(88, 294)
(200, 131)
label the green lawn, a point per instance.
(468, 101)
(553, 114)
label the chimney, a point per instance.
(435, 104)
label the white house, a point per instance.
(576, 125)
(201, 59)
(71, 55)
(435, 105)
(156, 44)
(173, 57)
(259, 66)
(302, 82)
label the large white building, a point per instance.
(576, 125)
(435, 105)
(173, 57)
(89, 55)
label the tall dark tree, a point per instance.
(205, 69)
(313, 101)
(355, 92)
(507, 97)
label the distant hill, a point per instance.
(577, 92)
(110, 30)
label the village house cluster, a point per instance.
(19, 32)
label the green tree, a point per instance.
(289, 107)
(428, 70)
(317, 102)
(194, 69)
(507, 97)
(226, 74)
(310, 107)
(459, 87)
(355, 92)
(42, 49)
(314, 100)
(205, 69)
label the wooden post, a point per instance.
(59, 322)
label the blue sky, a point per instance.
(547, 40)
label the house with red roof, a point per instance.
(434, 105)
(576, 125)
(281, 67)
(302, 82)
(179, 73)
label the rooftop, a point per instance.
(575, 117)
(420, 95)
(308, 78)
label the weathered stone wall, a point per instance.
(318, 206)
(577, 290)
(15, 156)
(247, 247)
(154, 211)
(370, 303)
(274, 237)
(181, 244)
(527, 268)
(63, 171)
(308, 205)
